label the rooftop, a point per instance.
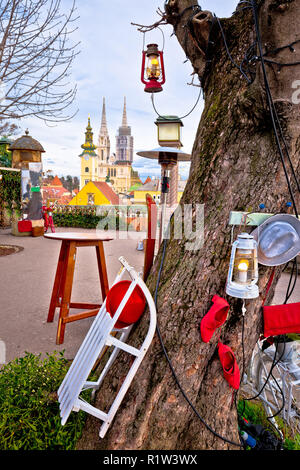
(107, 191)
(26, 142)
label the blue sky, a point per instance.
(109, 66)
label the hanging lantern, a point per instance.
(169, 131)
(243, 270)
(153, 71)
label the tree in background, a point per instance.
(236, 165)
(7, 128)
(69, 183)
(36, 54)
(76, 182)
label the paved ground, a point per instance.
(26, 281)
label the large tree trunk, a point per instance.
(235, 166)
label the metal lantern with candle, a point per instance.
(243, 270)
(153, 70)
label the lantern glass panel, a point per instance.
(244, 271)
(153, 69)
(169, 132)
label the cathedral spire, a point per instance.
(124, 120)
(103, 129)
(124, 140)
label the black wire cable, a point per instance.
(281, 48)
(182, 117)
(247, 399)
(171, 365)
(228, 52)
(288, 294)
(281, 64)
(279, 358)
(286, 149)
(263, 58)
(271, 103)
(274, 116)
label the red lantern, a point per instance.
(153, 72)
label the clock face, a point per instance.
(86, 157)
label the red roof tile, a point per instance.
(108, 192)
(56, 181)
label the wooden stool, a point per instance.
(62, 289)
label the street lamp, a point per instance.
(153, 70)
(167, 157)
(243, 269)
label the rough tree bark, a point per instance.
(235, 166)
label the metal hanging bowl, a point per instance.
(278, 240)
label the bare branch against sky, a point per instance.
(36, 55)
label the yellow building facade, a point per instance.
(95, 193)
(153, 188)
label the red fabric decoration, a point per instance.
(24, 226)
(215, 317)
(231, 369)
(281, 319)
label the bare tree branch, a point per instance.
(36, 55)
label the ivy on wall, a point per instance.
(10, 191)
(5, 156)
(5, 160)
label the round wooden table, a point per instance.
(62, 288)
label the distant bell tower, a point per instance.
(124, 140)
(103, 139)
(89, 170)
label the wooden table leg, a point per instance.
(67, 291)
(58, 281)
(102, 269)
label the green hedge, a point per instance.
(85, 217)
(29, 410)
(75, 217)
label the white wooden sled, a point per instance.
(96, 341)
